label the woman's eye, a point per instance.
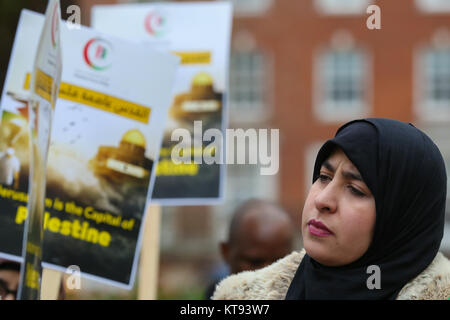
(324, 178)
(356, 192)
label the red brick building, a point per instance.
(327, 67)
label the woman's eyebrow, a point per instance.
(328, 166)
(346, 174)
(352, 176)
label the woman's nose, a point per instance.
(326, 199)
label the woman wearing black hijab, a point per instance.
(372, 223)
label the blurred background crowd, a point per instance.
(304, 67)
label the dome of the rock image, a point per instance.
(134, 137)
(200, 101)
(127, 161)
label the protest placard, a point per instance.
(107, 131)
(199, 33)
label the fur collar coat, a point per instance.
(272, 282)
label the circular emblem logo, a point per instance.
(98, 54)
(155, 24)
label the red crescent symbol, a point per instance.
(54, 24)
(148, 22)
(86, 48)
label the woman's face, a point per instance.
(339, 214)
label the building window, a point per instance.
(341, 88)
(342, 7)
(434, 6)
(143, 1)
(243, 182)
(434, 84)
(343, 75)
(251, 7)
(311, 152)
(438, 132)
(437, 77)
(248, 89)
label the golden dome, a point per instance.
(135, 137)
(202, 79)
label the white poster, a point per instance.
(199, 33)
(106, 135)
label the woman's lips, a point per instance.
(317, 228)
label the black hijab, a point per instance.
(405, 172)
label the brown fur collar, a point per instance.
(272, 282)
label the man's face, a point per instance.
(339, 214)
(253, 257)
(258, 245)
(9, 282)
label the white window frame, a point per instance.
(141, 1)
(256, 112)
(426, 110)
(342, 7)
(264, 187)
(251, 8)
(310, 154)
(327, 112)
(438, 132)
(433, 6)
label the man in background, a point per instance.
(10, 278)
(259, 234)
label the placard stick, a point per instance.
(51, 282)
(149, 262)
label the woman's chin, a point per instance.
(319, 252)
